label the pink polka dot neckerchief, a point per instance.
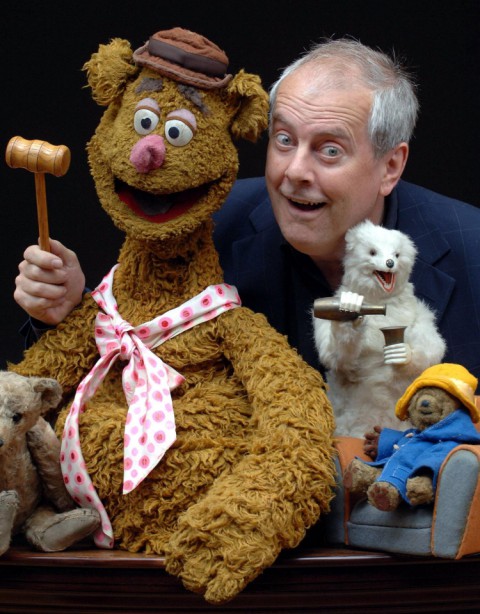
(147, 382)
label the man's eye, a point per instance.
(284, 139)
(145, 121)
(331, 151)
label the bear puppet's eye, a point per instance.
(373, 252)
(145, 121)
(16, 418)
(178, 132)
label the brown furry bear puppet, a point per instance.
(216, 448)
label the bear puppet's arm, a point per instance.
(44, 447)
(67, 352)
(280, 487)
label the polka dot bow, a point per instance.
(147, 383)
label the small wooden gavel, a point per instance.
(39, 157)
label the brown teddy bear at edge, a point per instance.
(30, 474)
(248, 450)
(440, 404)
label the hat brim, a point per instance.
(178, 73)
(436, 382)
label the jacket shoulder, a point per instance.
(438, 208)
(247, 200)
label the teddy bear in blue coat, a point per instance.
(440, 404)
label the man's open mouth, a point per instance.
(311, 206)
(386, 280)
(159, 208)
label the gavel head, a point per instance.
(37, 156)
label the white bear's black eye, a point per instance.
(373, 252)
(177, 132)
(16, 418)
(145, 121)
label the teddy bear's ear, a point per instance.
(109, 69)
(50, 392)
(251, 118)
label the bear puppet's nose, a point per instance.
(148, 154)
(390, 263)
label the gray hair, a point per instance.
(395, 105)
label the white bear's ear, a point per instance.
(50, 392)
(109, 69)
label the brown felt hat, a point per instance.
(186, 57)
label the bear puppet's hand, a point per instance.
(370, 443)
(215, 555)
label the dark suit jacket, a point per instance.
(272, 279)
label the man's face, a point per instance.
(321, 172)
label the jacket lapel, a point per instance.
(259, 265)
(431, 284)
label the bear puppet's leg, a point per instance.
(358, 476)
(8, 509)
(420, 490)
(50, 531)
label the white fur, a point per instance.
(362, 388)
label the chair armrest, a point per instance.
(348, 448)
(335, 523)
(456, 520)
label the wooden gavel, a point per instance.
(39, 157)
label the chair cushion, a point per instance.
(406, 530)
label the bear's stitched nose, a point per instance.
(390, 263)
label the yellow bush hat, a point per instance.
(455, 379)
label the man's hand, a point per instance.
(49, 284)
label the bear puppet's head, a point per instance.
(436, 393)
(163, 157)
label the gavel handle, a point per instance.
(42, 215)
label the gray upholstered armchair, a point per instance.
(448, 528)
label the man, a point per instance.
(341, 120)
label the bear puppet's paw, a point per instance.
(383, 496)
(420, 490)
(217, 557)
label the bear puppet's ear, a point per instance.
(251, 117)
(49, 390)
(109, 69)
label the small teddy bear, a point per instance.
(30, 469)
(440, 405)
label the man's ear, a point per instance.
(251, 117)
(395, 162)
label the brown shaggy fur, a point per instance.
(252, 466)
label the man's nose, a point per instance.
(299, 168)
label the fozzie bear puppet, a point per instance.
(205, 437)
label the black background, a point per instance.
(43, 46)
